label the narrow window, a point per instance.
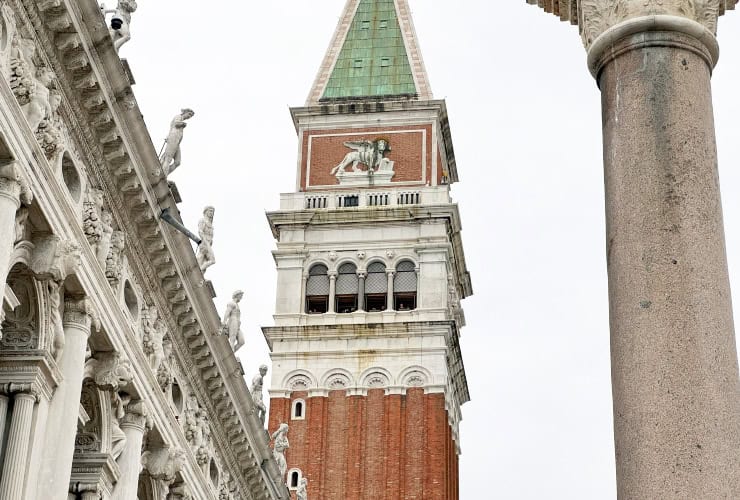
(383, 24)
(404, 287)
(357, 64)
(347, 288)
(365, 25)
(298, 410)
(376, 287)
(317, 290)
(385, 62)
(294, 479)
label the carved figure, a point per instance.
(164, 374)
(118, 437)
(232, 322)
(371, 154)
(302, 492)
(120, 29)
(280, 437)
(110, 371)
(55, 313)
(153, 337)
(8, 30)
(103, 247)
(205, 255)
(257, 396)
(22, 69)
(48, 133)
(92, 222)
(21, 218)
(39, 105)
(163, 463)
(114, 261)
(171, 156)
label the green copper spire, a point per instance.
(373, 59)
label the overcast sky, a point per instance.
(526, 125)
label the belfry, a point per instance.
(367, 368)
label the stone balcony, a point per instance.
(366, 197)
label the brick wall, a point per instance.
(372, 447)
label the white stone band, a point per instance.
(658, 22)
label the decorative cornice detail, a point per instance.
(595, 17)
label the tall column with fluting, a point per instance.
(133, 426)
(675, 379)
(16, 454)
(64, 410)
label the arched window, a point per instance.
(376, 287)
(347, 287)
(298, 412)
(317, 290)
(294, 478)
(404, 286)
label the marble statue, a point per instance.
(257, 396)
(153, 329)
(21, 219)
(114, 260)
(106, 236)
(302, 492)
(39, 105)
(232, 322)
(369, 153)
(171, 156)
(205, 255)
(120, 29)
(118, 437)
(280, 437)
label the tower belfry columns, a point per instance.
(675, 378)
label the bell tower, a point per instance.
(367, 369)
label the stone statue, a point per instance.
(163, 464)
(153, 330)
(39, 106)
(22, 69)
(114, 261)
(55, 314)
(164, 374)
(369, 153)
(21, 219)
(103, 246)
(280, 437)
(171, 156)
(120, 29)
(48, 133)
(205, 255)
(256, 391)
(302, 492)
(118, 437)
(232, 322)
(92, 221)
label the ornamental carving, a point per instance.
(299, 383)
(377, 380)
(21, 325)
(115, 260)
(338, 382)
(109, 370)
(596, 16)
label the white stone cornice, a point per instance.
(595, 17)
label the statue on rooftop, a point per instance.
(232, 323)
(171, 157)
(120, 23)
(256, 390)
(204, 254)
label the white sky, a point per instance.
(525, 116)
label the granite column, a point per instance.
(674, 364)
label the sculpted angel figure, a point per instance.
(257, 396)
(280, 437)
(171, 156)
(39, 106)
(205, 255)
(231, 325)
(369, 153)
(120, 29)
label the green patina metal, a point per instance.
(373, 61)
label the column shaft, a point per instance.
(332, 292)
(16, 454)
(674, 364)
(130, 460)
(3, 415)
(64, 409)
(390, 305)
(361, 292)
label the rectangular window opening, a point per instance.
(375, 302)
(365, 25)
(383, 24)
(385, 62)
(404, 301)
(357, 64)
(346, 304)
(317, 304)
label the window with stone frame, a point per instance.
(346, 289)
(404, 286)
(376, 288)
(298, 410)
(317, 290)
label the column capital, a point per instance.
(16, 389)
(78, 312)
(136, 414)
(332, 275)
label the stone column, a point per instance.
(332, 291)
(361, 275)
(133, 426)
(10, 201)
(390, 305)
(3, 414)
(16, 454)
(674, 362)
(64, 409)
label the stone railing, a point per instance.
(316, 200)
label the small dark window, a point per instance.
(317, 290)
(294, 479)
(298, 410)
(375, 303)
(383, 24)
(404, 301)
(357, 64)
(365, 25)
(346, 303)
(404, 287)
(351, 201)
(385, 62)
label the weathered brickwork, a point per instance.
(394, 447)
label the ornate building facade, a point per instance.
(115, 382)
(367, 368)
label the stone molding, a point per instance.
(596, 17)
(77, 313)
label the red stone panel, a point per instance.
(373, 456)
(336, 446)
(415, 441)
